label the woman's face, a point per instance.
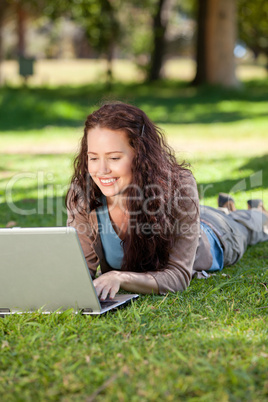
(109, 160)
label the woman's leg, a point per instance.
(233, 235)
(256, 221)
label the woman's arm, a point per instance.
(108, 284)
(178, 273)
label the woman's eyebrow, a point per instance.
(107, 153)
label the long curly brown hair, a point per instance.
(155, 171)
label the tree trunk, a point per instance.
(109, 71)
(217, 35)
(160, 22)
(3, 7)
(1, 45)
(21, 30)
(201, 73)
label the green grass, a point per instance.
(209, 343)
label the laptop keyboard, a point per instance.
(106, 303)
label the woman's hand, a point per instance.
(108, 284)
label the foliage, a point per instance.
(126, 26)
(187, 7)
(98, 18)
(252, 24)
(136, 21)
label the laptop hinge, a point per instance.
(87, 310)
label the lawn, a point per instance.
(209, 343)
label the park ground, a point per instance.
(209, 343)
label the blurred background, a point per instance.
(78, 41)
(198, 68)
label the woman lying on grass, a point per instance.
(136, 210)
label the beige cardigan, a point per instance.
(190, 254)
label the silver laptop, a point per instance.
(45, 268)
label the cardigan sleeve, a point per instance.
(178, 272)
(86, 230)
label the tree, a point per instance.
(160, 23)
(21, 26)
(4, 6)
(98, 18)
(253, 25)
(216, 38)
(20, 9)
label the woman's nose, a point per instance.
(104, 167)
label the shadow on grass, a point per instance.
(165, 102)
(257, 179)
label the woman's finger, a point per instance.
(113, 292)
(104, 293)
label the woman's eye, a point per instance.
(92, 159)
(115, 159)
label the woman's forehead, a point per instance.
(104, 139)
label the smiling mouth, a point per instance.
(108, 182)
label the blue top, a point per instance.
(215, 248)
(111, 242)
